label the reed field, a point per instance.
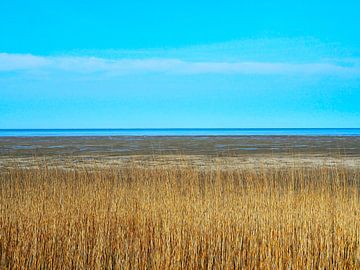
(179, 217)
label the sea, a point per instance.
(182, 132)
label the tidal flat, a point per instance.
(205, 151)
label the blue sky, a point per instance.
(151, 64)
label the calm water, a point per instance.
(183, 132)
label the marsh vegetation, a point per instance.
(180, 217)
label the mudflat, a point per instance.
(186, 145)
(232, 151)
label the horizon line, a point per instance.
(159, 128)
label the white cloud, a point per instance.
(13, 62)
(89, 65)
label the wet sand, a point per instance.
(186, 145)
(225, 151)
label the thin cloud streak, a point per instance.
(117, 67)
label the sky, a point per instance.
(179, 64)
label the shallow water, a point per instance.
(184, 132)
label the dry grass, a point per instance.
(179, 218)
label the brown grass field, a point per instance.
(180, 217)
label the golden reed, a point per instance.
(179, 218)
